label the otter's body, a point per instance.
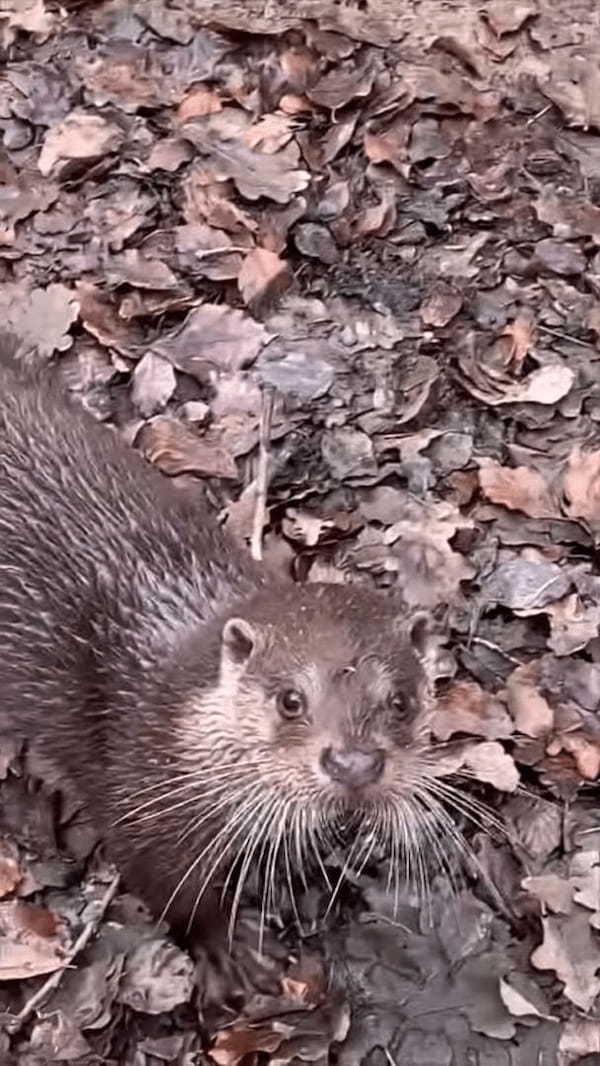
(199, 708)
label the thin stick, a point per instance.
(262, 472)
(16, 1023)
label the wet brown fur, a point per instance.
(114, 590)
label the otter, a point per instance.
(206, 713)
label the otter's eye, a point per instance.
(291, 703)
(399, 705)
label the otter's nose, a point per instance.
(354, 768)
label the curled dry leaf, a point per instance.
(585, 752)
(177, 449)
(573, 84)
(32, 941)
(245, 1039)
(153, 384)
(487, 762)
(213, 335)
(430, 571)
(581, 486)
(532, 714)
(525, 585)
(40, 318)
(263, 277)
(10, 872)
(490, 763)
(255, 174)
(580, 1037)
(518, 488)
(157, 977)
(465, 708)
(81, 137)
(573, 623)
(571, 951)
(553, 892)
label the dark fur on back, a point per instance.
(114, 592)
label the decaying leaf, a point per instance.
(518, 488)
(33, 941)
(570, 949)
(531, 712)
(465, 708)
(177, 449)
(214, 335)
(262, 277)
(82, 137)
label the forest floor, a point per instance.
(369, 233)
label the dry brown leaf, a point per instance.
(32, 941)
(552, 891)
(581, 486)
(153, 384)
(585, 752)
(233, 1044)
(490, 763)
(573, 84)
(518, 488)
(200, 100)
(255, 174)
(532, 714)
(177, 449)
(214, 335)
(573, 623)
(507, 17)
(81, 137)
(270, 134)
(522, 335)
(580, 1038)
(10, 873)
(339, 86)
(571, 951)
(465, 708)
(263, 277)
(31, 16)
(440, 305)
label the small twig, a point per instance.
(262, 472)
(564, 337)
(53, 981)
(539, 114)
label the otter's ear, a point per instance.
(421, 632)
(238, 641)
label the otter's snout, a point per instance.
(355, 768)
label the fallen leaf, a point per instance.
(153, 384)
(581, 486)
(532, 714)
(177, 449)
(573, 84)
(32, 941)
(255, 174)
(40, 318)
(505, 16)
(552, 891)
(571, 951)
(465, 708)
(518, 488)
(80, 137)
(213, 335)
(262, 277)
(490, 763)
(157, 978)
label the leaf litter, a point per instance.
(386, 218)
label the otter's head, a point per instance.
(319, 716)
